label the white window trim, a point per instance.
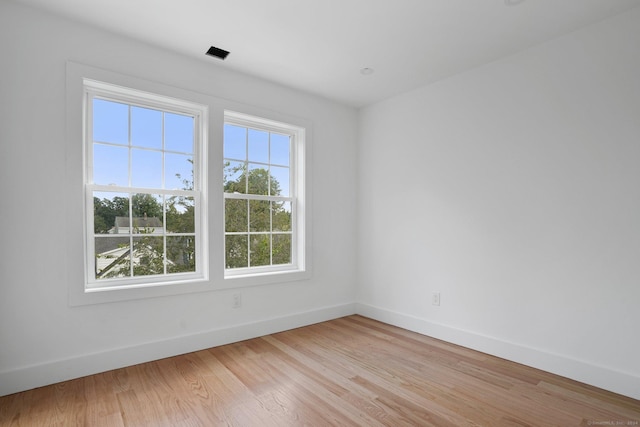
(97, 89)
(77, 204)
(298, 195)
(74, 192)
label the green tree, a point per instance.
(255, 216)
(180, 214)
(106, 210)
(146, 205)
(148, 250)
(255, 181)
(147, 254)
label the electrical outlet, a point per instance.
(237, 300)
(435, 298)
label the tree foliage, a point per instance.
(253, 222)
(146, 206)
(148, 253)
(105, 212)
(261, 228)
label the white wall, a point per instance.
(513, 190)
(42, 338)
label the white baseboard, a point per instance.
(29, 377)
(585, 372)
(34, 376)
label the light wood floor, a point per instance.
(349, 371)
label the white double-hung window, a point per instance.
(144, 176)
(263, 196)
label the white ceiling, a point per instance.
(320, 46)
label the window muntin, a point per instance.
(263, 230)
(143, 187)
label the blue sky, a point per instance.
(111, 131)
(259, 149)
(122, 133)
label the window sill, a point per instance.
(103, 295)
(265, 278)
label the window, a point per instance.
(263, 196)
(144, 174)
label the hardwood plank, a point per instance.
(359, 399)
(102, 404)
(327, 399)
(351, 371)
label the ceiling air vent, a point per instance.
(217, 52)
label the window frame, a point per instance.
(297, 196)
(213, 219)
(95, 89)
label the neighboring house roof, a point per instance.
(111, 250)
(151, 222)
(108, 243)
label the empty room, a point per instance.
(294, 212)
